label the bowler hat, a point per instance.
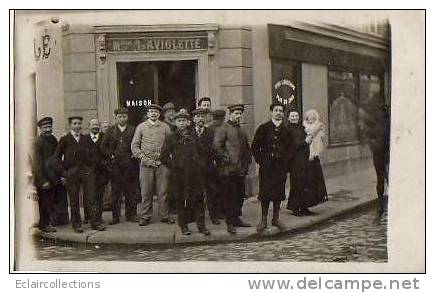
(45, 121)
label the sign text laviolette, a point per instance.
(147, 44)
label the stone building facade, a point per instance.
(97, 64)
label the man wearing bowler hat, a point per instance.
(233, 158)
(76, 161)
(146, 146)
(115, 147)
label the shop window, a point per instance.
(343, 107)
(349, 91)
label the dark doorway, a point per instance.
(141, 83)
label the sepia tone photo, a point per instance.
(209, 138)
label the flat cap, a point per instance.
(45, 121)
(75, 117)
(121, 110)
(199, 111)
(155, 107)
(219, 114)
(168, 106)
(233, 108)
(181, 114)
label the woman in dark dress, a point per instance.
(307, 183)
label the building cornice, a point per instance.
(107, 29)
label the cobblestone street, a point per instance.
(358, 237)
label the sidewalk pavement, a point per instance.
(346, 193)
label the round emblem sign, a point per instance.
(285, 91)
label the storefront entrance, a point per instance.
(145, 82)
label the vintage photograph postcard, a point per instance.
(218, 141)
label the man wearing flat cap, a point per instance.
(146, 147)
(76, 161)
(205, 138)
(116, 148)
(46, 178)
(182, 153)
(233, 158)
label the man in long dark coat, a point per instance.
(99, 165)
(181, 153)
(47, 182)
(116, 147)
(76, 161)
(270, 148)
(233, 158)
(205, 137)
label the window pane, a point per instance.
(370, 90)
(343, 111)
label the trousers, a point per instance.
(154, 180)
(233, 197)
(76, 177)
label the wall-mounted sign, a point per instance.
(149, 44)
(284, 91)
(285, 83)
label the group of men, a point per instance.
(188, 162)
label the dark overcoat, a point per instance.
(99, 161)
(271, 149)
(43, 168)
(70, 153)
(206, 150)
(181, 153)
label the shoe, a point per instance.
(48, 229)
(164, 220)
(185, 231)
(240, 223)
(98, 227)
(279, 225)
(78, 229)
(307, 212)
(144, 222)
(171, 220)
(215, 222)
(132, 219)
(114, 221)
(297, 213)
(231, 229)
(204, 231)
(85, 221)
(262, 226)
